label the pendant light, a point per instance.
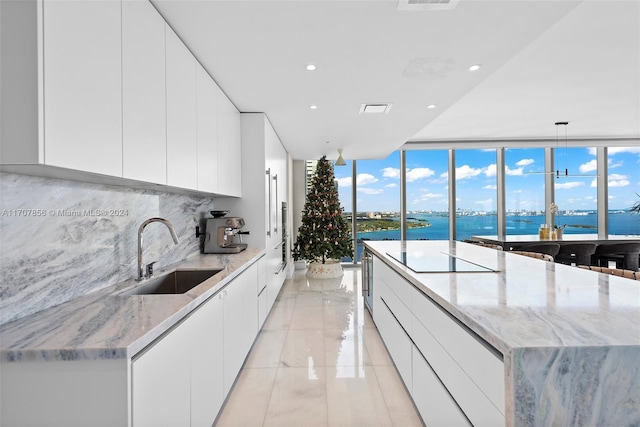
(340, 161)
(560, 173)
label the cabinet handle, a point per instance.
(268, 172)
(365, 274)
(275, 225)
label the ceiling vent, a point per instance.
(375, 108)
(421, 5)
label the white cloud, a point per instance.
(594, 183)
(617, 180)
(525, 162)
(465, 171)
(490, 187)
(490, 170)
(486, 204)
(392, 185)
(344, 182)
(590, 166)
(366, 190)
(513, 172)
(391, 172)
(418, 173)
(428, 196)
(365, 178)
(568, 185)
(615, 150)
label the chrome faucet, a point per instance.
(148, 271)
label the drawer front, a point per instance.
(435, 404)
(443, 338)
(397, 342)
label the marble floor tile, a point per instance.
(298, 398)
(307, 318)
(355, 398)
(399, 404)
(253, 386)
(267, 349)
(319, 361)
(345, 348)
(279, 317)
(303, 348)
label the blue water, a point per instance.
(467, 226)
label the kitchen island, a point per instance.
(514, 340)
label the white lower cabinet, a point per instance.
(207, 393)
(240, 323)
(183, 378)
(435, 404)
(453, 376)
(161, 381)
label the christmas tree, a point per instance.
(324, 233)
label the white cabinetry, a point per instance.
(229, 148)
(264, 188)
(144, 138)
(208, 95)
(181, 114)
(240, 323)
(104, 91)
(161, 381)
(82, 86)
(207, 394)
(453, 377)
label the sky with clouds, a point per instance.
(378, 189)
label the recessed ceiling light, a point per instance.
(431, 106)
(310, 67)
(313, 107)
(475, 67)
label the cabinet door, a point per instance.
(181, 114)
(207, 362)
(435, 404)
(207, 131)
(229, 148)
(398, 343)
(144, 139)
(240, 323)
(82, 85)
(161, 382)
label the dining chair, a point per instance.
(485, 245)
(626, 255)
(578, 253)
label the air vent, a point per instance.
(375, 108)
(427, 4)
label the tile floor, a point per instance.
(319, 361)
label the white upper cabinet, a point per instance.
(181, 114)
(229, 148)
(82, 85)
(144, 138)
(207, 131)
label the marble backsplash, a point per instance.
(61, 239)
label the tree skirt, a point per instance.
(329, 270)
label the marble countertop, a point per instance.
(527, 302)
(106, 325)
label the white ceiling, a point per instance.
(543, 61)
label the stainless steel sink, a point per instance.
(178, 282)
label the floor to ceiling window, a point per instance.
(476, 186)
(378, 194)
(576, 190)
(624, 189)
(524, 190)
(427, 194)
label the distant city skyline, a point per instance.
(427, 180)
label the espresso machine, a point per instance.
(221, 234)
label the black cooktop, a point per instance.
(437, 262)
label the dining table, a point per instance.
(628, 258)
